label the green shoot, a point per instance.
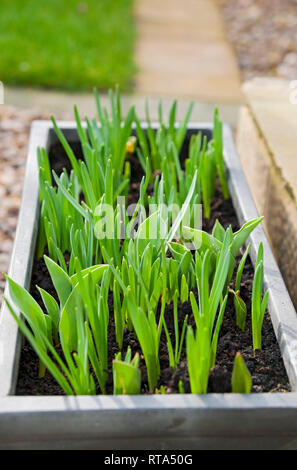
(161, 390)
(218, 151)
(241, 377)
(126, 374)
(181, 387)
(202, 346)
(239, 304)
(258, 304)
(175, 353)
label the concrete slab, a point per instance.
(182, 51)
(267, 145)
(61, 104)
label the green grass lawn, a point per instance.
(67, 44)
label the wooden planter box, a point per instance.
(213, 421)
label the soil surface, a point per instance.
(266, 366)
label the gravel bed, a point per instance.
(14, 137)
(264, 36)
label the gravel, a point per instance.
(264, 36)
(14, 137)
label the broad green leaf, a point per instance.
(68, 321)
(218, 231)
(96, 272)
(177, 250)
(61, 280)
(202, 240)
(127, 377)
(241, 236)
(28, 306)
(52, 308)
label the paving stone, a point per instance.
(61, 104)
(183, 51)
(272, 102)
(267, 143)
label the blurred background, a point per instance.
(264, 36)
(54, 52)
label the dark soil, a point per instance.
(266, 366)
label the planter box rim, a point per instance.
(212, 401)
